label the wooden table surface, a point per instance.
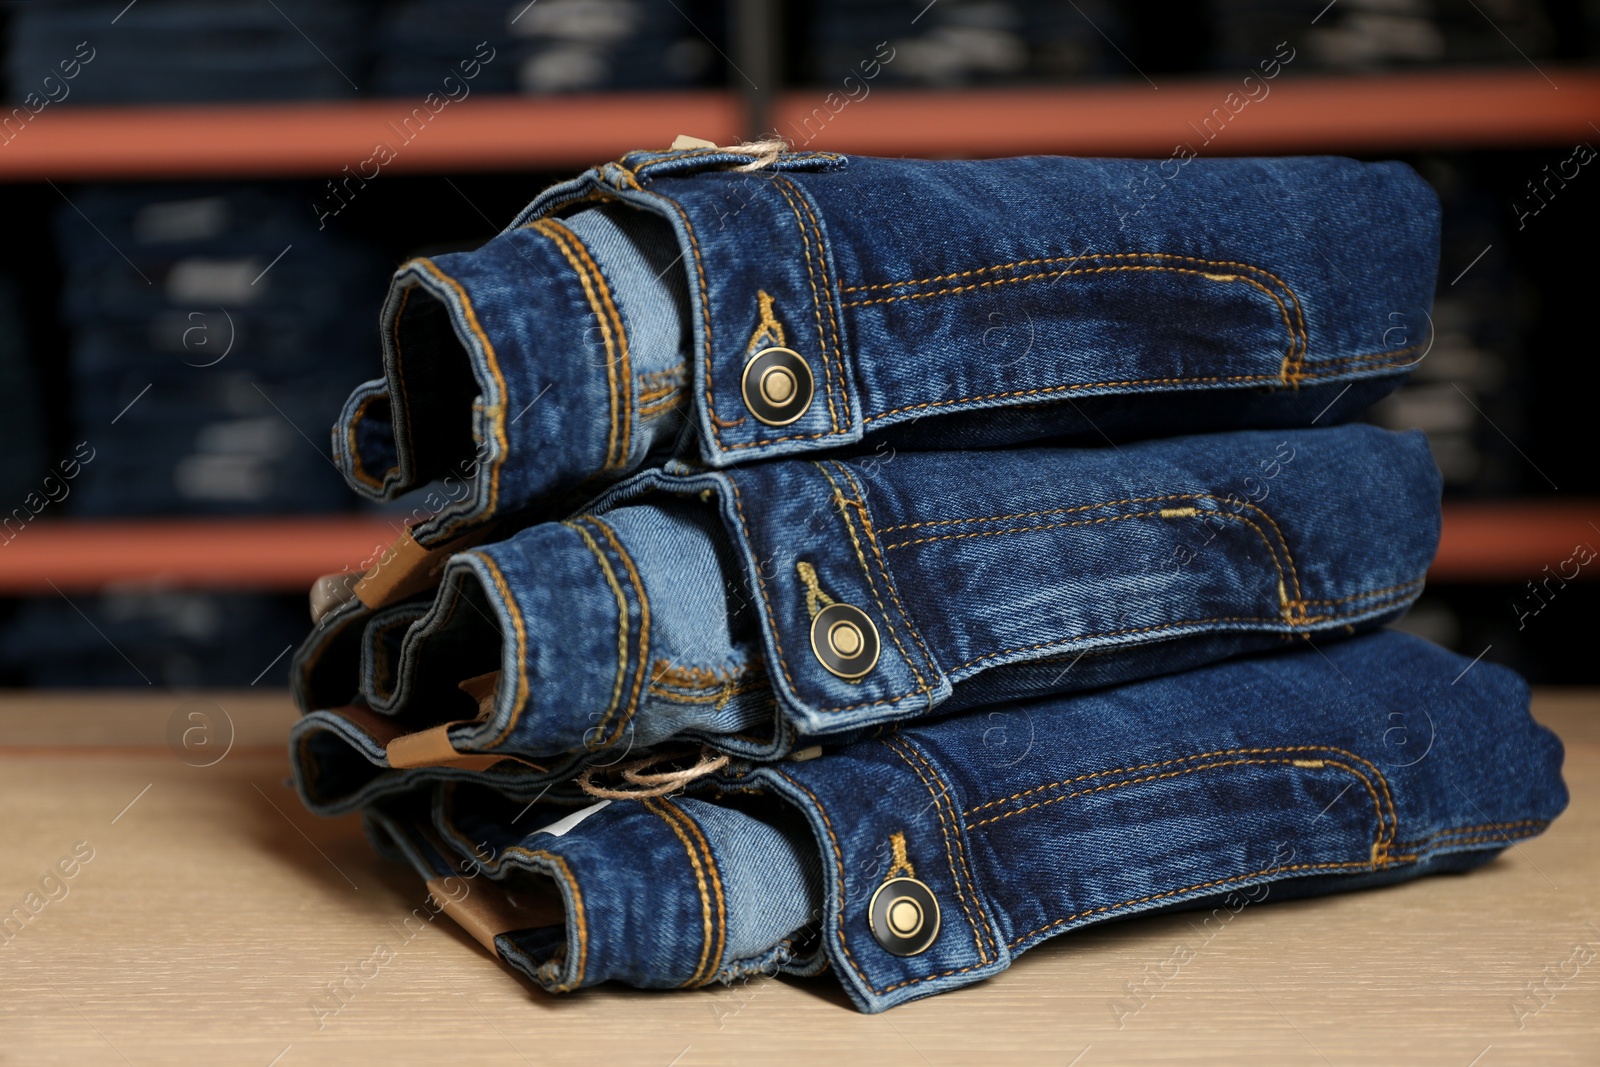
(214, 909)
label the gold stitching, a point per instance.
(816, 304)
(622, 627)
(872, 586)
(828, 286)
(604, 309)
(952, 841)
(644, 623)
(497, 409)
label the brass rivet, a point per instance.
(904, 916)
(777, 386)
(845, 640)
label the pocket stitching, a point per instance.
(1288, 605)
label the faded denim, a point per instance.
(678, 607)
(1260, 779)
(947, 304)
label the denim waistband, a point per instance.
(706, 606)
(1260, 779)
(918, 303)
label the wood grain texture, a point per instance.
(214, 910)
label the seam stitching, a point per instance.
(872, 586)
(606, 315)
(635, 580)
(1300, 621)
(623, 625)
(862, 512)
(1377, 774)
(816, 304)
(1377, 849)
(718, 896)
(829, 287)
(497, 409)
(953, 847)
(1397, 356)
(510, 605)
(1286, 603)
(360, 414)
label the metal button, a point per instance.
(777, 386)
(844, 640)
(904, 916)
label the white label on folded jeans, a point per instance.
(215, 281)
(560, 827)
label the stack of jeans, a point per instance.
(889, 565)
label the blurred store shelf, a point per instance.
(1391, 112)
(1482, 542)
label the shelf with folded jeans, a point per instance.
(1389, 112)
(211, 328)
(100, 51)
(149, 635)
(983, 42)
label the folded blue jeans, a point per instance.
(765, 607)
(723, 307)
(930, 858)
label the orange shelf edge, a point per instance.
(1512, 542)
(1485, 542)
(1391, 112)
(265, 554)
(321, 139)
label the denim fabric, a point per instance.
(936, 305)
(561, 274)
(1261, 779)
(766, 870)
(678, 607)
